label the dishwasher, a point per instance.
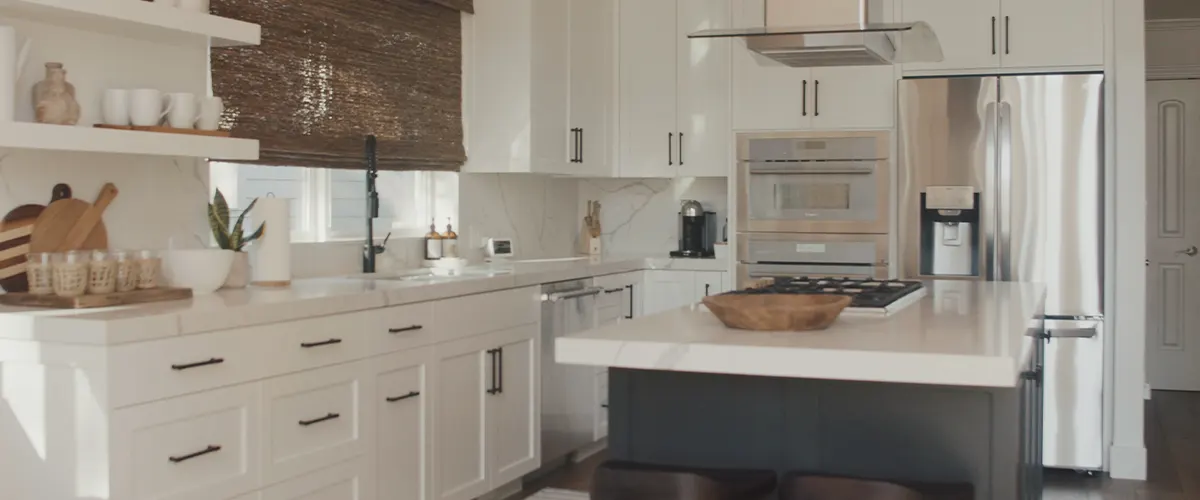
(568, 407)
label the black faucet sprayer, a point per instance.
(370, 249)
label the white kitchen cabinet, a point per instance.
(623, 292)
(528, 88)
(402, 444)
(1013, 34)
(852, 97)
(349, 480)
(487, 413)
(708, 283)
(674, 91)
(666, 290)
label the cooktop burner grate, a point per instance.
(865, 293)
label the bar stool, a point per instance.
(622, 480)
(802, 486)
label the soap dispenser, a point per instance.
(449, 242)
(433, 243)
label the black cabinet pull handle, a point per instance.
(706, 285)
(580, 145)
(309, 345)
(500, 371)
(493, 388)
(816, 97)
(326, 418)
(670, 148)
(213, 361)
(212, 448)
(412, 328)
(1006, 36)
(630, 287)
(681, 149)
(410, 395)
(613, 290)
(804, 99)
(993, 35)
(604, 405)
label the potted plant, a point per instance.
(232, 238)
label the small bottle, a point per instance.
(433, 243)
(449, 241)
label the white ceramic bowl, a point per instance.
(202, 270)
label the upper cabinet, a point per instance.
(674, 91)
(538, 86)
(770, 96)
(982, 35)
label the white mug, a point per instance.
(210, 113)
(194, 5)
(181, 109)
(114, 107)
(146, 107)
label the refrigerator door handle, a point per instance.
(1004, 194)
(990, 205)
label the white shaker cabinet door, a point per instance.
(515, 409)
(349, 480)
(647, 43)
(707, 283)
(402, 402)
(463, 378)
(1037, 33)
(766, 94)
(857, 97)
(704, 122)
(593, 67)
(666, 290)
(968, 30)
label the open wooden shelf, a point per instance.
(20, 135)
(135, 19)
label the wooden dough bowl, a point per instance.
(777, 312)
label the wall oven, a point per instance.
(792, 255)
(814, 182)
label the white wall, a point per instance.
(640, 216)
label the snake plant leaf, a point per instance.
(222, 207)
(236, 240)
(219, 230)
(256, 234)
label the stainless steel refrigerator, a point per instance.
(1001, 178)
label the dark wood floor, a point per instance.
(1172, 441)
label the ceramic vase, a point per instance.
(54, 98)
(239, 273)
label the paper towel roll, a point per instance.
(273, 252)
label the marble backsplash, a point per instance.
(538, 212)
(640, 216)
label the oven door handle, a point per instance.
(793, 170)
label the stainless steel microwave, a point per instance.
(814, 182)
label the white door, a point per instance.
(345, 481)
(667, 290)
(462, 380)
(515, 409)
(1173, 278)
(707, 283)
(766, 95)
(1059, 33)
(648, 135)
(968, 30)
(704, 125)
(852, 97)
(402, 422)
(593, 65)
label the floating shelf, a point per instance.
(19, 135)
(135, 19)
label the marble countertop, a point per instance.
(961, 333)
(304, 299)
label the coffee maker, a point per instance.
(697, 231)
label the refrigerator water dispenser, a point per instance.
(950, 231)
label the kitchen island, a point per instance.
(946, 390)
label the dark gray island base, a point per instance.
(988, 437)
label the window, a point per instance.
(330, 204)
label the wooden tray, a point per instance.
(90, 301)
(777, 312)
(166, 130)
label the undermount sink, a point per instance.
(428, 275)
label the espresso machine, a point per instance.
(697, 231)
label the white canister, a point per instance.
(272, 253)
(211, 109)
(114, 107)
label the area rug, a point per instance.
(559, 494)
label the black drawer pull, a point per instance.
(213, 361)
(605, 405)
(212, 448)
(328, 417)
(405, 329)
(614, 290)
(308, 345)
(412, 394)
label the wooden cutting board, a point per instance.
(12, 270)
(101, 300)
(53, 226)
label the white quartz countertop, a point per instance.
(961, 333)
(303, 299)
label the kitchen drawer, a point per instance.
(328, 340)
(200, 447)
(146, 371)
(315, 419)
(402, 437)
(403, 327)
(349, 480)
(489, 312)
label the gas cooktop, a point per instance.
(867, 294)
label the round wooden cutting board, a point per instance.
(55, 223)
(22, 216)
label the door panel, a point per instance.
(1173, 196)
(1058, 33)
(549, 89)
(402, 402)
(592, 64)
(964, 29)
(464, 374)
(667, 290)
(766, 94)
(647, 88)
(852, 97)
(703, 90)
(516, 433)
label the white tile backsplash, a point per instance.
(641, 216)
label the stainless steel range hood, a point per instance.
(808, 33)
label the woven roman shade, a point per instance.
(330, 72)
